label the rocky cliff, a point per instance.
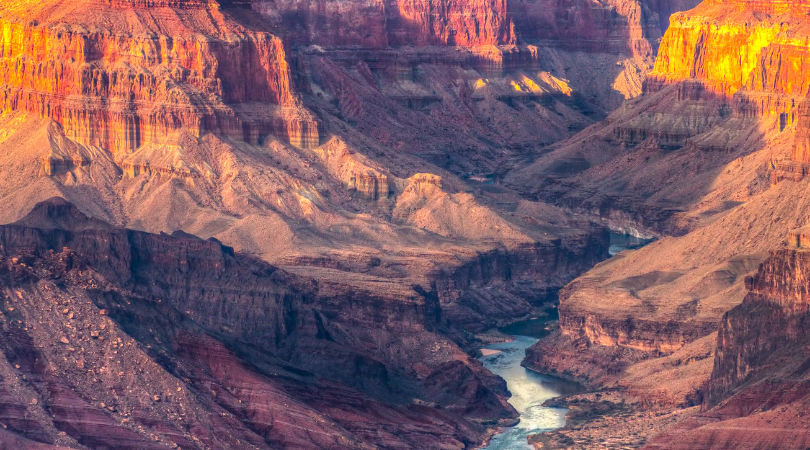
(738, 45)
(380, 24)
(198, 118)
(729, 77)
(130, 80)
(614, 26)
(757, 396)
(693, 161)
(120, 338)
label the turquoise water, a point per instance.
(529, 391)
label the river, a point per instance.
(530, 389)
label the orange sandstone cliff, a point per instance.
(119, 80)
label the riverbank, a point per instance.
(604, 420)
(530, 390)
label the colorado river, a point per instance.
(529, 389)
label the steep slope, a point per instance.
(696, 161)
(117, 338)
(758, 395)
(728, 81)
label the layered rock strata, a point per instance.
(125, 83)
(157, 341)
(692, 160)
(752, 53)
(758, 397)
(200, 116)
(728, 76)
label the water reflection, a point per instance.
(529, 391)
(536, 328)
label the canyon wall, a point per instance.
(753, 52)
(696, 160)
(607, 26)
(156, 341)
(121, 85)
(380, 24)
(758, 394)
(770, 321)
(728, 76)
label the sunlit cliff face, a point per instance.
(739, 45)
(755, 53)
(116, 76)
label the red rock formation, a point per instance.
(173, 340)
(753, 53)
(758, 394)
(797, 167)
(378, 24)
(452, 22)
(753, 50)
(627, 27)
(120, 89)
(723, 75)
(371, 186)
(607, 26)
(731, 51)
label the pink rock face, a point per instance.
(612, 26)
(378, 23)
(758, 396)
(183, 4)
(452, 22)
(607, 26)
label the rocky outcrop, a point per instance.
(769, 321)
(605, 26)
(629, 27)
(731, 51)
(758, 393)
(797, 166)
(750, 52)
(729, 77)
(119, 89)
(156, 341)
(379, 24)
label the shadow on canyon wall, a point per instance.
(654, 161)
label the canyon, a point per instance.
(255, 224)
(710, 159)
(125, 339)
(291, 223)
